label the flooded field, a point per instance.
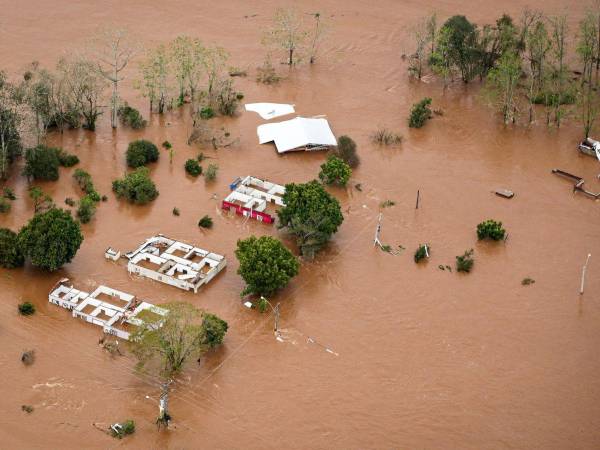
(418, 358)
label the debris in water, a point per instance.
(28, 357)
(27, 408)
(504, 193)
(527, 281)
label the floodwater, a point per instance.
(377, 352)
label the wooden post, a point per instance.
(583, 274)
(418, 195)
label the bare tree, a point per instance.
(155, 83)
(287, 33)
(187, 57)
(559, 76)
(317, 35)
(85, 87)
(113, 48)
(422, 35)
(537, 44)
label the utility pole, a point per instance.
(275, 310)
(163, 406)
(418, 196)
(376, 241)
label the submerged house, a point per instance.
(118, 313)
(250, 197)
(175, 263)
(300, 133)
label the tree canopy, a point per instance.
(50, 239)
(311, 214)
(10, 253)
(266, 265)
(335, 171)
(137, 187)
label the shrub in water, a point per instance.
(464, 263)
(69, 201)
(175, 211)
(131, 116)
(211, 172)
(26, 308)
(9, 194)
(490, 229)
(4, 205)
(383, 136)
(141, 152)
(193, 168)
(207, 113)
(422, 252)
(335, 171)
(67, 159)
(346, 150)
(121, 430)
(136, 187)
(205, 222)
(41, 163)
(86, 209)
(420, 113)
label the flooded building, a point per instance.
(175, 263)
(250, 197)
(118, 313)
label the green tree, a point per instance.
(86, 209)
(490, 229)
(141, 152)
(586, 50)
(41, 163)
(137, 187)
(42, 202)
(335, 171)
(155, 83)
(458, 43)
(193, 168)
(213, 330)
(420, 113)
(164, 345)
(50, 239)
(266, 265)
(310, 214)
(10, 253)
(502, 83)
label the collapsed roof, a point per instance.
(297, 134)
(270, 110)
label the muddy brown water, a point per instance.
(420, 358)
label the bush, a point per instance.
(123, 429)
(67, 159)
(228, 99)
(4, 205)
(41, 201)
(422, 252)
(211, 172)
(551, 98)
(9, 194)
(205, 222)
(104, 198)
(41, 163)
(383, 136)
(10, 253)
(86, 209)
(311, 214)
(136, 187)
(69, 201)
(84, 180)
(490, 229)
(266, 265)
(335, 171)
(193, 168)
(464, 263)
(131, 116)
(346, 150)
(420, 113)
(167, 145)
(266, 73)
(50, 239)
(141, 152)
(213, 330)
(207, 113)
(26, 308)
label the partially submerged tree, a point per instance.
(41, 163)
(50, 239)
(266, 265)
(42, 202)
(310, 214)
(490, 229)
(136, 187)
(335, 171)
(141, 152)
(10, 253)
(165, 345)
(346, 150)
(420, 113)
(586, 50)
(458, 47)
(113, 48)
(287, 33)
(155, 82)
(502, 83)
(12, 118)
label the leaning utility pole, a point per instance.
(583, 273)
(376, 241)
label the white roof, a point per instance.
(270, 110)
(298, 132)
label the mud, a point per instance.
(419, 357)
